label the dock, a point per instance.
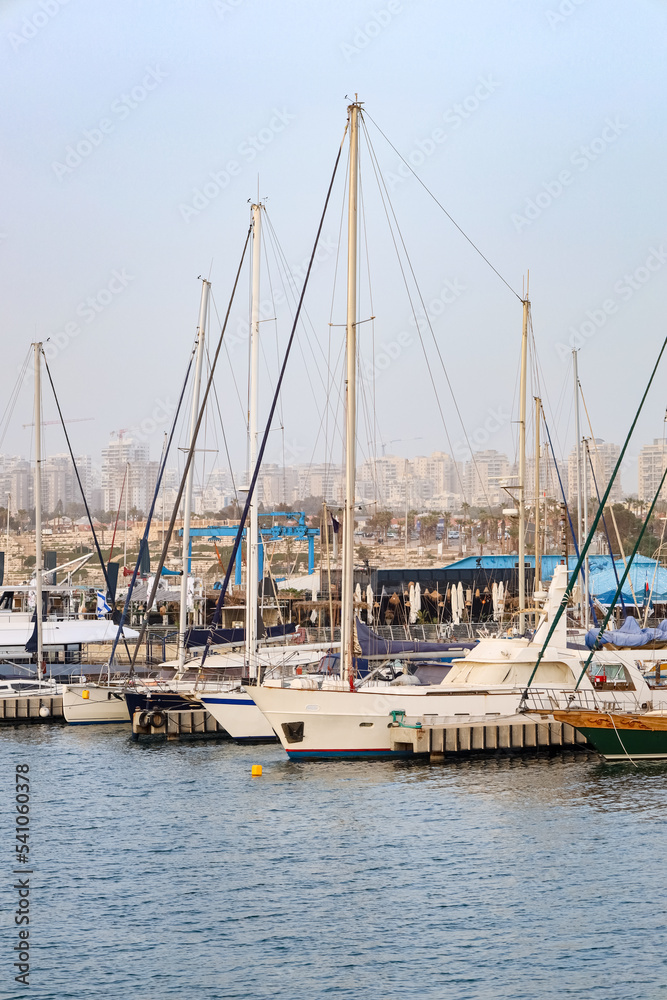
(441, 739)
(175, 723)
(31, 709)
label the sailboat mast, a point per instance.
(522, 468)
(347, 588)
(538, 568)
(577, 434)
(38, 509)
(187, 502)
(252, 536)
(584, 491)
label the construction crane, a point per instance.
(395, 441)
(74, 420)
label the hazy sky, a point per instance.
(540, 125)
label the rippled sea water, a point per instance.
(166, 871)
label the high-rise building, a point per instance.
(651, 465)
(127, 461)
(603, 457)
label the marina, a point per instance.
(333, 501)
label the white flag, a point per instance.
(102, 605)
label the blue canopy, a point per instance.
(629, 634)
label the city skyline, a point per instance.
(126, 475)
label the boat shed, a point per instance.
(483, 571)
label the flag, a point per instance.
(103, 607)
(335, 524)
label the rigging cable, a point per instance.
(442, 207)
(593, 528)
(191, 454)
(260, 454)
(81, 490)
(382, 186)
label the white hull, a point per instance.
(333, 723)
(103, 704)
(356, 723)
(237, 713)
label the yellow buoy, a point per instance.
(85, 694)
(256, 770)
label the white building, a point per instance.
(651, 465)
(603, 458)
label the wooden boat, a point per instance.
(620, 735)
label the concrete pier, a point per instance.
(31, 709)
(441, 740)
(175, 723)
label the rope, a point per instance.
(625, 571)
(144, 540)
(618, 737)
(611, 506)
(260, 454)
(604, 524)
(596, 519)
(442, 207)
(191, 453)
(120, 502)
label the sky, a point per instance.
(136, 134)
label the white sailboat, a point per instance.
(316, 717)
(233, 708)
(91, 704)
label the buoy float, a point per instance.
(256, 770)
(85, 694)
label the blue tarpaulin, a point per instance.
(629, 634)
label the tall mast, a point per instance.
(406, 513)
(38, 508)
(187, 503)
(522, 467)
(577, 434)
(538, 568)
(347, 589)
(127, 490)
(252, 536)
(584, 491)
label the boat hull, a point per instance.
(323, 724)
(103, 705)
(238, 714)
(618, 736)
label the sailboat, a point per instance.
(231, 706)
(343, 716)
(115, 701)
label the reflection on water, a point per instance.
(165, 870)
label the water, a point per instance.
(166, 871)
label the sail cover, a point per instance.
(630, 634)
(373, 644)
